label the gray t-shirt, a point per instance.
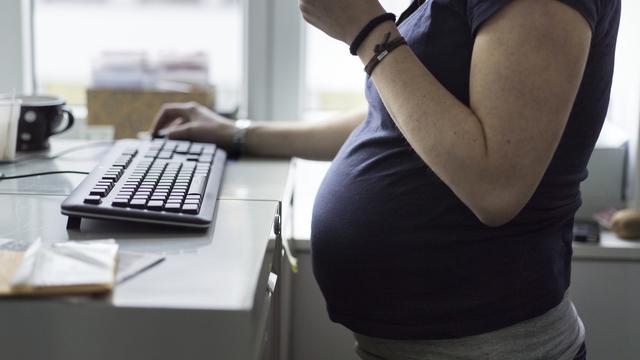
(557, 334)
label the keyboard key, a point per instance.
(130, 151)
(138, 203)
(208, 149)
(190, 208)
(104, 183)
(198, 185)
(165, 155)
(93, 199)
(99, 191)
(120, 202)
(196, 149)
(183, 148)
(155, 205)
(173, 207)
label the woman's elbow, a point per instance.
(498, 207)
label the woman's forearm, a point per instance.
(318, 140)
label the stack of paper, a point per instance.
(62, 268)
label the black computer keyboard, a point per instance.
(158, 181)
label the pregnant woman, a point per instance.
(443, 228)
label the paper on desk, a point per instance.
(67, 263)
(131, 264)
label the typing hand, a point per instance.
(192, 121)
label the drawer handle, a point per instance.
(271, 283)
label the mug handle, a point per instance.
(70, 121)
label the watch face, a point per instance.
(241, 126)
(242, 123)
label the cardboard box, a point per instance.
(133, 110)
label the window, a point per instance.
(334, 78)
(71, 35)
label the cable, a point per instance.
(2, 177)
(60, 154)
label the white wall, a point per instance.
(625, 94)
(15, 46)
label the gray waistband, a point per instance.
(557, 334)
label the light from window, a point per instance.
(334, 78)
(70, 35)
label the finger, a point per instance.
(167, 129)
(170, 112)
(189, 131)
(164, 117)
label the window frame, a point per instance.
(274, 60)
(16, 63)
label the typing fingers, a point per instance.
(190, 131)
(170, 113)
(163, 132)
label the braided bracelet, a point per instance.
(367, 29)
(382, 50)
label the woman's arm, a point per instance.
(309, 140)
(527, 65)
(318, 140)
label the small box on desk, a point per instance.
(132, 110)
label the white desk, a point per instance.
(208, 300)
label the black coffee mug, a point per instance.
(41, 117)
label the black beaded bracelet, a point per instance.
(367, 29)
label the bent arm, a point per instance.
(527, 65)
(309, 140)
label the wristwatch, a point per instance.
(238, 142)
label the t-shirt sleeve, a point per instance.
(479, 11)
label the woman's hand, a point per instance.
(192, 121)
(340, 19)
